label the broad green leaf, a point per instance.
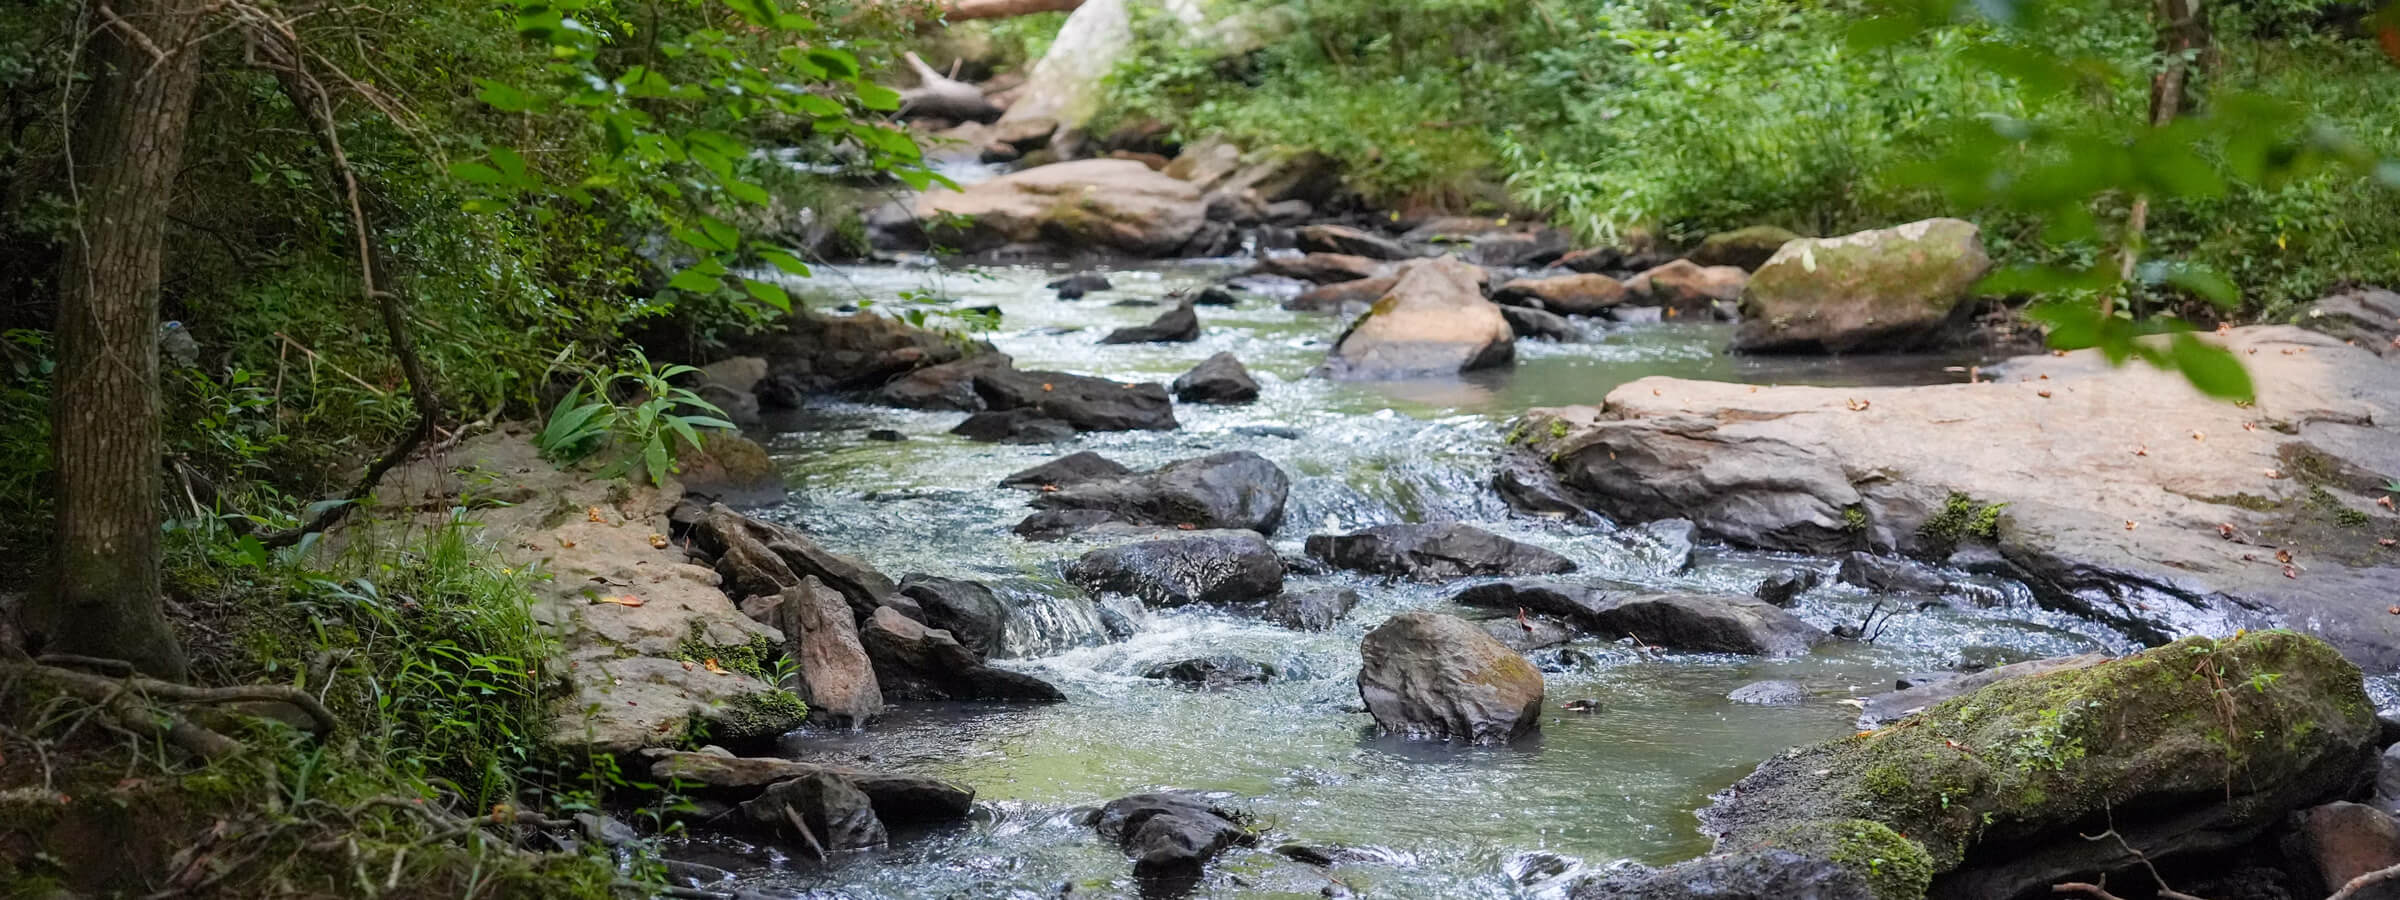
(838, 63)
(876, 96)
(2071, 325)
(694, 281)
(784, 260)
(503, 97)
(477, 173)
(768, 293)
(2212, 369)
(2201, 281)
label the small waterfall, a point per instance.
(1045, 618)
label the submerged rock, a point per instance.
(2331, 844)
(1717, 623)
(1015, 426)
(1533, 324)
(1428, 675)
(1892, 706)
(1175, 326)
(1221, 378)
(913, 662)
(1085, 402)
(1435, 552)
(1213, 671)
(1315, 610)
(1998, 785)
(1073, 468)
(1889, 575)
(1351, 241)
(1170, 835)
(1215, 567)
(1076, 285)
(1235, 489)
(1875, 291)
(1434, 321)
(1769, 693)
(1784, 588)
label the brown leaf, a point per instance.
(713, 668)
(2042, 394)
(2225, 530)
(563, 542)
(2128, 524)
(626, 600)
(2283, 556)
(592, 514)
(658, 541)
(2289, 572)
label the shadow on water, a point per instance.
(1409, 819)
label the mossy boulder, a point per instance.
(1891, 289)
(2195, 747)
(1747, 248)
(1841, 859)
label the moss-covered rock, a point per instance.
(2191, 747)
(1894, 867)
(1878, 291)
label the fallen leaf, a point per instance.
(2289, 572)
(2386, 542)
(2142, 450)
(2128, 524)
(2042, 394)
(592, 514)
(2394, 610)
(2283, 556)
(563, 542)
(1046, 387)
(2276, 474)
(713, 668)
(2058, 353)
(1186, 526)
(2224, 328)
(658, 541)
(2225, 530)
(626, 600)
(1049, 488)
(687, 665)
(1654, 392)
(2384, 501)
(2253, 351)
(2197, 436)
(1857, 405)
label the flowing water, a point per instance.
(1424, 820)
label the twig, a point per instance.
(2363, 884)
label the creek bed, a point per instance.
(1300, 753)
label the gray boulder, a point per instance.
(1352, 241)
(1715, 623)
(1170, 835)
(1315, 610)
(1221, 378)
(1428, 675)
(966, 609)
(1235, 489)
(1175, 326)
(820, 811)
(913, 662)
(1074, 468)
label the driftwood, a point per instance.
(938, 96)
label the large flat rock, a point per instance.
(2119, 485)
(1117, 205)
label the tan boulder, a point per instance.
(1110, 204)
(1434, 321)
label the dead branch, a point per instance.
(2093, 891)
(942, 97)
(281, 52)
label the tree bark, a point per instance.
(103, 599)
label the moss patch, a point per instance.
(755, 658)
(1894, 867)
(1960, 519)
(2028, 759)
(763, 714)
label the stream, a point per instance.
(1300, 754)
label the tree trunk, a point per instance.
(104, 596)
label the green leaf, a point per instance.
(2072, 325)
(838, 63)
(695, 281)
(2212, 369)
(655, 459)
(784, 260)
(747, 192)
(477, 173)
(768, 294)
(877, 97)
(503, 97)
(2201, 281)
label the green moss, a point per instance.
(1895, 868)
(754, 657)
(763, 714)
(1558, 428)
(1960, 518)
(2251, 502)
(2029, 756)
(1854, 518)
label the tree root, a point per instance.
(132, 702)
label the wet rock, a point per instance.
(1435, 552)
(1533, 324)
(1456, 229)
(1999, 785)
(947, 386)
(886, 435)
(1053, 524)
(1221, 378)
(836, 679)
(1769, 693)
(1084, 402)
(1593, 260)
(1889, 575)
(1920, 679)
(1213, 671)
(1666, 544)
(1170, 835)
(1319, 268)
(1075, 286)
(1518, 249)
(1342, 295)
(1216, 296)
(1717, 623)
(1772, 468)
(1428, 675)
(1433, 322)
(1532, 488)
(1766, 874)
(1745, 248)
(1175, 326)
(1567, 295)
(1637, 315)
(1214, 567)
(762, 558)
(966, 609)
(820, 812)
(1015, 426)
(686, 873)
(897, 798)
(1875, 291)
(913, 662)
(1529, 633)
(1313, 610)
(2336, 842)
(1784, 588)
(1235, 489)
(2387, 780)
(1073, 468)
(1887, 708)
(1354, 242)
(1119, 205)
(817, 352)
(1685, 288)
(2366, 315)
(732, 469)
